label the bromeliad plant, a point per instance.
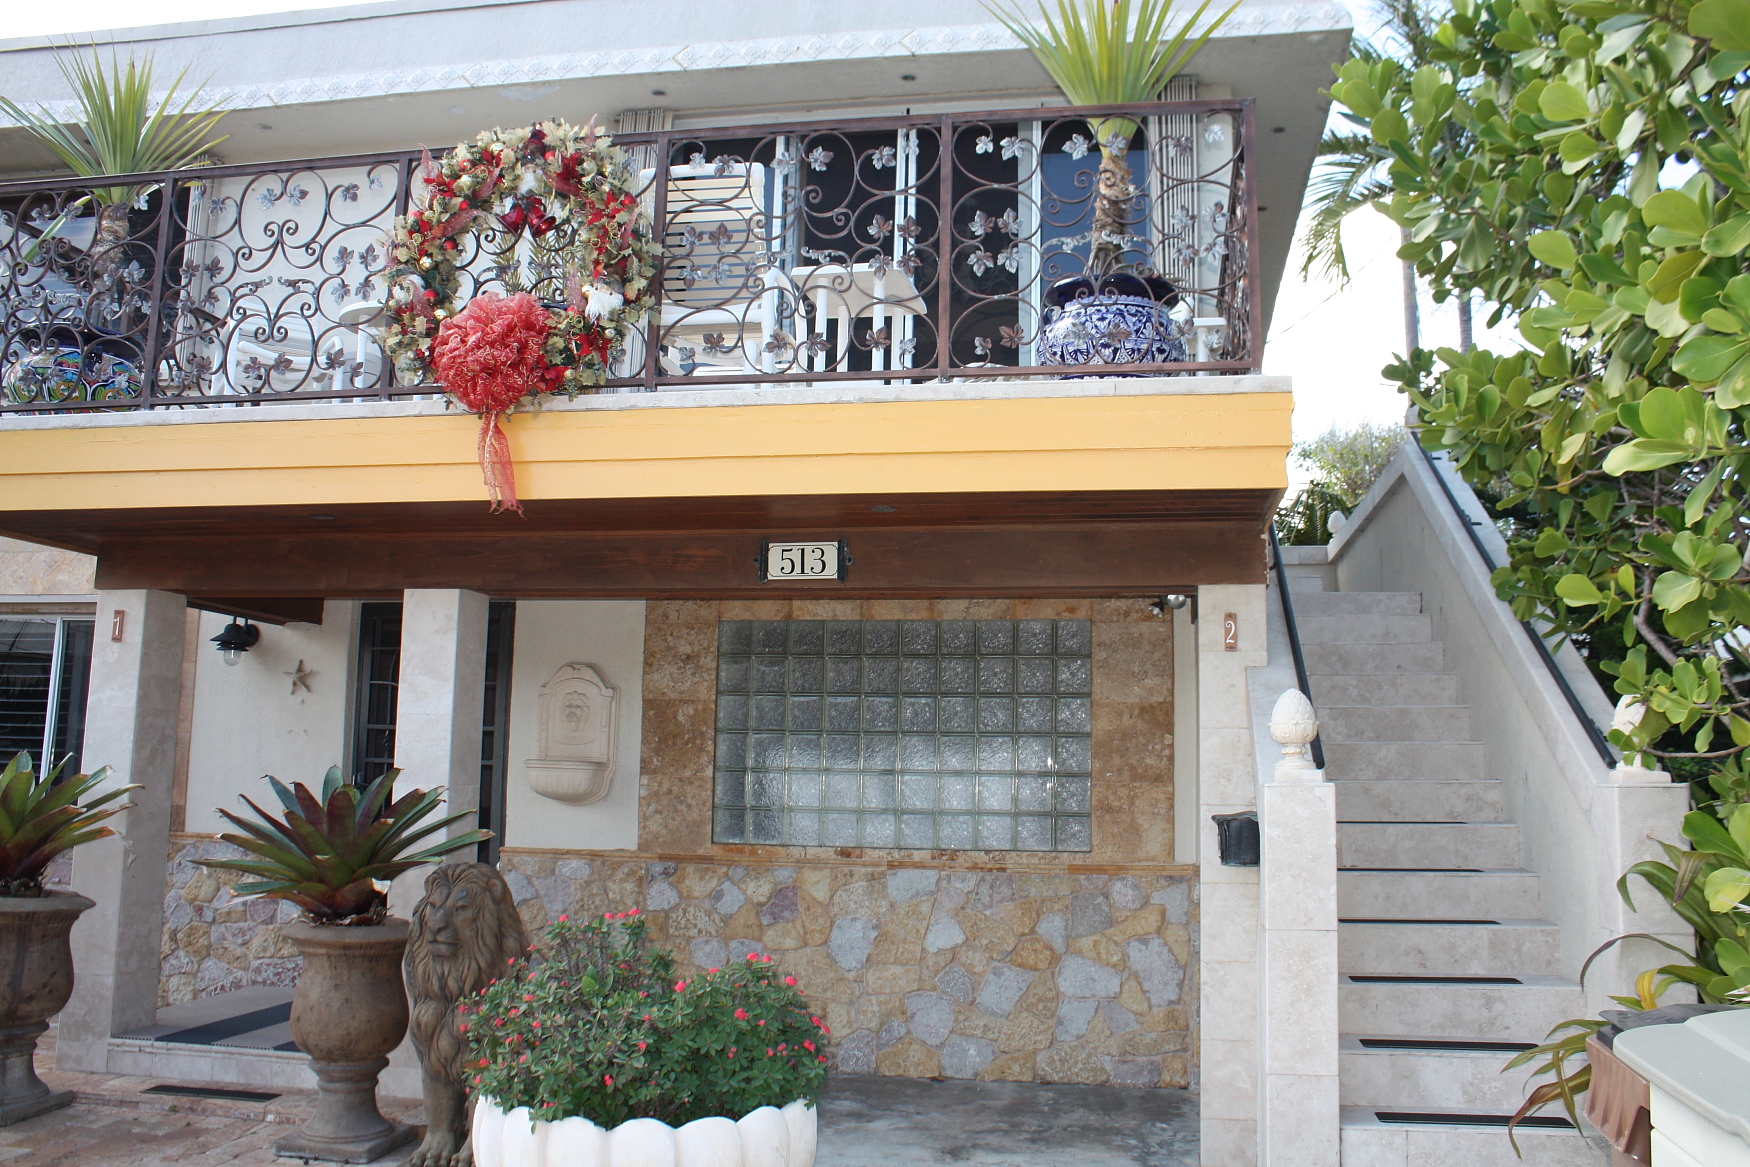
(1111, 52)
(42, 816)
(328, 854)
(598, 1026)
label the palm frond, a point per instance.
(1111, 52)
(120, 130)
(1350, 174)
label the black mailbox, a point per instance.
(1239, 838)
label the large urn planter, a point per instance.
(1119, 319)
(767, 1137)
(349, 1012)
(36, 981)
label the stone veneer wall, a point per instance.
(1025, 966)
(1015, 975)
(213, 942)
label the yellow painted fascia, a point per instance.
(1144, 442)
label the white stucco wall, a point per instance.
(247, 722)
(551, 634)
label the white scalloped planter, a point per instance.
(769, 1137)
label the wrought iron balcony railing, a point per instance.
(888, 249)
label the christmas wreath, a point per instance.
(500, 349)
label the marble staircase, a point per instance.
(1446, 966)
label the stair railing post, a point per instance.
(1299, 1115)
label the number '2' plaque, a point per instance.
(823, 560)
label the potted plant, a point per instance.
(333, 856)
(593, 1054)
(40, 817)
(1104, 53)
(121, 129)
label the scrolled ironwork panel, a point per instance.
(877, 249)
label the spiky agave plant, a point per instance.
(1111, 52)
(120, 130)
(327, 854)
(43, 815)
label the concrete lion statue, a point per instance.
(464, 931)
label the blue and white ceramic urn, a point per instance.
(1120, 320)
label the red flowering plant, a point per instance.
(564, 194)
(598, 1024)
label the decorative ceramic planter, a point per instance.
(769, 1137)
(1121, 320)
(350, 1011)
(36, 980)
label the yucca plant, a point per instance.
(1111, 52)
(328, 854)
(119, 131)
(43, 815)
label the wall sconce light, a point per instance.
(1175, 602)
(236, 640)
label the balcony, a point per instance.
(886, 251)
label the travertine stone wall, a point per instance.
(1026, 974)
(214, 942)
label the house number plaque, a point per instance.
(823, 560)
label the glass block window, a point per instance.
(964, 734)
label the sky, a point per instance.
(1332, 340)
(95, 15)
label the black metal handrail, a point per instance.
(1593, 733)
(1318, 749)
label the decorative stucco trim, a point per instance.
(1271, 20)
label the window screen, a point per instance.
(966, 734)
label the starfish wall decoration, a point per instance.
(300, 676)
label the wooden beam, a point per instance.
(1133, 558)
(263, 609)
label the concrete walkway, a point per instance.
(905, 1122)
(865, 1122)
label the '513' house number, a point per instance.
(821, 560)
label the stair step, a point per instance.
(1348, 761)
(1399, 894)
(1418, 800)
(1515, 948)
(1365, 629)
(1320, 603)
(1392, 844)
(1369, 1141)
(1393, 723)
(1370, 658)
(1412, 1079)
(1374, 689)
(1521, 1012)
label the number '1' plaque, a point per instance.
(825, 560)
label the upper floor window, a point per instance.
(962, 734)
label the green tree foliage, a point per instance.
(1350, 461)
(1602, 203)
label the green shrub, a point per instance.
(596, 1025)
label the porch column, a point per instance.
(1297, 888)
(1227, 783)
(130, 725)
(439, 701)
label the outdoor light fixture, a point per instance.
(1175, 602)
(236, 640)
